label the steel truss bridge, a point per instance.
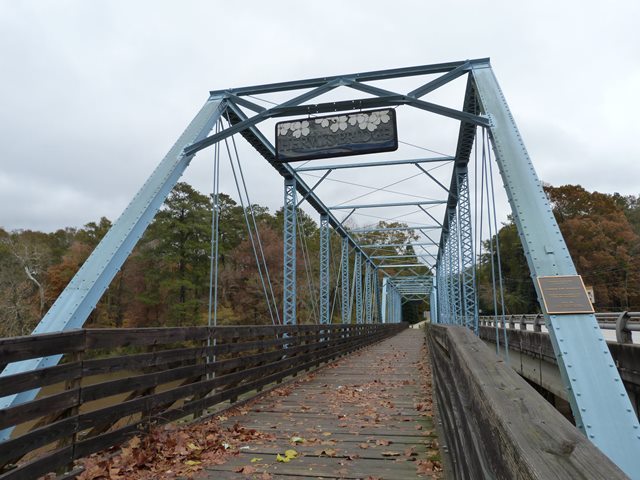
(436, 265)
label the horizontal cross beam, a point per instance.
(338, 166)
(391, 204)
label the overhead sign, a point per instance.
(336, 136)
(564, 295)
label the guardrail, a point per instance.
(624, 323)
(153, 376)
(496, 425)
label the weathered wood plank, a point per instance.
(14, 349)
(532, 441)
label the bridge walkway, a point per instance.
(367, 416)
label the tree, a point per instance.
(177, 246)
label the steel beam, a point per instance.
(357, 274)
(289, 280)
(467, 256)
(598, 398)
(391, 204)
(388, 163)
(384, 303)
(346, 310)
(398, 229)
(324, 269)
(360, 77)
(367, 293)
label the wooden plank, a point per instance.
(138, 382)
(37, 408)
(14, 349)
(141, 361)
(21, 382)
(533, 441)
(13, 449)
(103, 338)
(38, 467)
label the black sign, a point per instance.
(564, 295)
(336, 136)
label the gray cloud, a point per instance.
(94, 93)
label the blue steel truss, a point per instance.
(467, 260)
(357, 275)
(289, 277)
(324, 269)
(368, 304)
(602, 408)
(344, 281)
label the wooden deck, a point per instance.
(366, 416)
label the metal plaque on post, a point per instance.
(372, 131)
(564, 295)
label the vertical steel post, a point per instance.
(454, 239)
(433, 300)
(357, 272)
(324, 269)
(384, 318)
(345, 281)
(598, 398)
(289, 300)
(468, 276)
(368, 304)
(376, 286)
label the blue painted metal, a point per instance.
(289, 280)
(324, 269)
(384, 301)
(344, 281)
(368, 304)
(357, 275)
(599, 401)
(397, 229)
(378, 295)
(467, 256)
(390, 204)
(80, 297)
(387, 163)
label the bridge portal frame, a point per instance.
(605, 414)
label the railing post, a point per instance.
(324, 269)
(623, 334)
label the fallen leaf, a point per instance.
(390, 454)
(247, 470)
(280, 458)
(192, 463)
(255, 459)
(290, 454)
(364, 446)
(383, 442)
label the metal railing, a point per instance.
(624, 323)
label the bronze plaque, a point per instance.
(369, 131)
(564, 295)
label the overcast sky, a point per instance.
(93, 93)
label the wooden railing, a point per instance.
(496, 425)
(115, 383)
